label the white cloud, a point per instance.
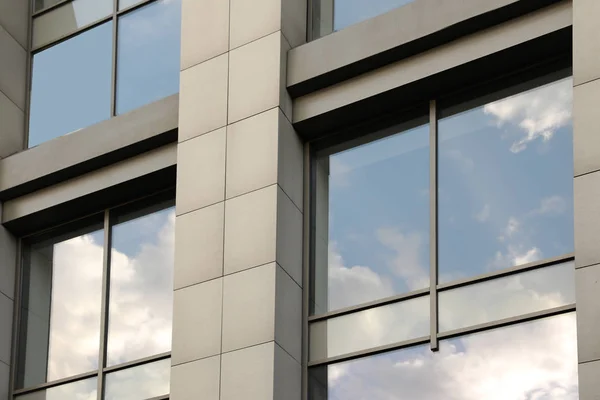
(140, 306)
(553, 205)
(512, 226)
(484, 214)
(538, 114)
(515, 255)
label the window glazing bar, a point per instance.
(71, 34)
(369, 305)
(433, 211)
(105, 302)
(55, 383)
(370, 352)
(508, 321)
(137, 363)
(14, 353)
(115, 43)
(507, 272)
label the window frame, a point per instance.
(114, 17)
(451, 103)
(108, 218)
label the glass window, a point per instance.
(144, 382)
(371, 328)
(128, 3)
(372, 224)
(506, 182)
(148, 54)
(68, 277)
(141, 284)
(506, 297)
(61, 305)
(68, 18)
(535, 360)
(333, 15)
(71, 85)
(84, 390)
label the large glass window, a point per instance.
(96, 306)
(441, 262)
(82, 73)
(333, 15)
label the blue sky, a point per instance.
(348, 12)
(505, 198)
(71, 84)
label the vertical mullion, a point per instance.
(308, 235)
(433, 225)
(113, 88)
(105, 302)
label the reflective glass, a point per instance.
(372, 221)
(139, 383)
(71, 85)
(148, 54)
(67, 19)
(80, 390)
(141, 284)
(506, 182)
(375, 327)
(506, 297)
(61, 306)
(349, 12)
(536, 360)
(128, 3)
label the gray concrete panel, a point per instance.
(586, 41)
(587, 219)
(589, 384)
(12, 129)
(14, 17)
(586, 141)
(588, 312)
(13, 69)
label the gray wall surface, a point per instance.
(14, 27)
(586, 97)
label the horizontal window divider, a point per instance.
(50, 8)
(72, 34)
(507, 321)
(371, 351)
(133, 7)
(48, 385)
(507, 272)
(372, 304)
(137, 363)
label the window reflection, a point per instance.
(506, 182)
(68, 18)
(350, 12)
(536, 360)
(71, 85)
(141, 284)
(148, 54)
(139, 383)
(371, 328)
(40, 4)
(80, 390)
(372, 222)
(61, 306)
(506, 297)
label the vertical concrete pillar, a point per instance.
(14, 28)
(586, 80)
(238, 264)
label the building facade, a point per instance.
(299, 199)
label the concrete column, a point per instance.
(14, 27)
(586, 100)
(238, 263)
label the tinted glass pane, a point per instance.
(507, 297)
(348, 12)
(139, 383)
(127, 3)
(506, 182)
(370, 328)
(372, 221)
(67, 19)
(148, 58)
(141, 285)
(80, 390)
(537, 360)
(71, 85)
(61, 307)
